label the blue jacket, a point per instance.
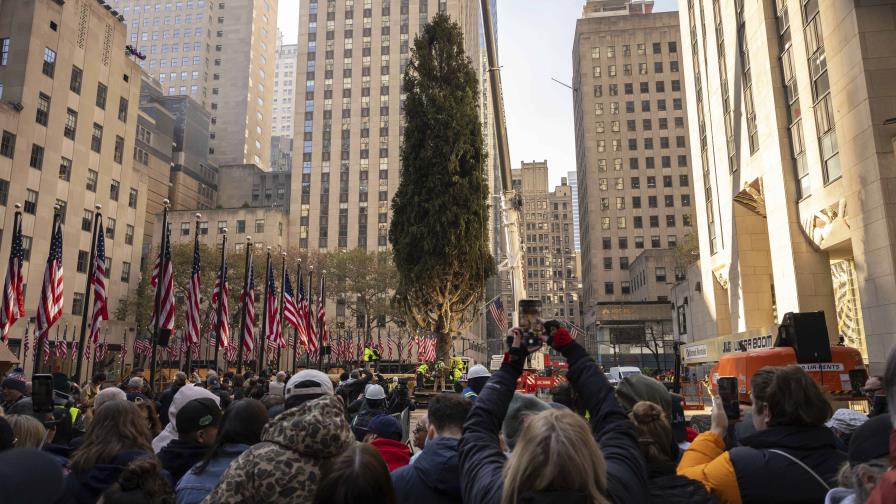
(482, 460)
(434, 478)
(193, 488)
(470, 394)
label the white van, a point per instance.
(618, 373)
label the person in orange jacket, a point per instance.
(792, 456)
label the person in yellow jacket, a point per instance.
(790, 457)
(368, 357)
(422, 369)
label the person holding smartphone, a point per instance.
(579, 469)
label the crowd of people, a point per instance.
(308, 438)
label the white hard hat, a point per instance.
(477, 371)
(374, 392)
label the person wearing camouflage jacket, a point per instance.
(285, 466)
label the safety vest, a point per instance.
(368, 354)
(422, 368)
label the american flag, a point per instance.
(302, 307)
(13, 289)
(224, 329)
(388, 352)
(247, 299)
(431, 348)
(271, 322)
(322, 313)
(98, 280)
(26, 344)
(230, 353)
(56, 345)
(124, 350)
(142, 346)
(496, 310)
(575, 331)
(309, 322)
(192, 333)
(290, 310)
(63, 348)
(74, 348)
(51, 296)
(166, 306)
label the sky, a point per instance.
(534, 45)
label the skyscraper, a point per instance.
(350, 113)
(572, 177)
(285, 79)
(633, 171)
(222, 54)
(792, 149)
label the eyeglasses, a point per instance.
(419, 428)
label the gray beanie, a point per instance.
(521, 406)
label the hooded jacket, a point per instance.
(285, 467)
(186, 394)
(755, 472)
(178, 456)
(395, 453)
(194, 487)
(434, 478)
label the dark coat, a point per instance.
(433, 478)
(165, 399)
(667, 487)
(766, 476)
(481, 458)
(179, 455)
(87, 486)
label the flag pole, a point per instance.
(310, 319)
(280, 314)
(158, 296)
(221, 301)
(239, 350)
(39, 340)
(320, 324)
(188, 345)
(269, 270)
(295, 330)
(16, 224)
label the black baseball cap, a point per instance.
(197, 415)
(870, 440)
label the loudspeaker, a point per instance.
(164, 337)
(807, 333)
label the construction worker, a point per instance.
(368, 357)
(476, 380)
(422, 369)
(439, 371)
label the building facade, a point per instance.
(352, 55)
(285, 79)
(573, 179)
(266, 226)
(68, 113)
(796, 207)
(223, 55)
(250, 186)
(633, 161)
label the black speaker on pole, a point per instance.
(807, 333)
(164, 337)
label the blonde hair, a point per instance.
(555, 451)
(654, 432)
(29, 432)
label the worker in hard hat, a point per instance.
(476, 380)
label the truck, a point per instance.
(617, 374)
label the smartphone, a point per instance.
(530, 312)
(42, 393)
(727, 386)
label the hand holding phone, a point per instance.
(728, 392)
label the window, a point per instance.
(75, 82)
(639, 242)
(123, 109)
(638, 222)
(636, 202)
(608, 263)
(660, 274)
(686, 220)
(83, 259)
(119, 149)
(101, 91)
(259, 225)
(4, 51)
(673, 46)
(607, 244)
(8, 144)
(129, 234)
(96, 141)
(87, 220)
(43, 109)
(671, 242)
(605, 223)
(125, 272)
(620, 223)
(77, 303)
(654, 221)
(114, 188)
(623, 263)
(667, 180)
(110, 228)
(65, 169)
(185, 229)
(651, 182)
(625, 286)
(651, 201)
(132, 198)
(30, 201)
(91, 180)
(635, 182)
(669, 201)
(657, 48)
(240, 226)
(37, 157)
(608, 287)
(49, 61)
(71, 124)
(670, 221)
(4, 192)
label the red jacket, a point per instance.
(885, 491)
(395, 453)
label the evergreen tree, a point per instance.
(439, 231)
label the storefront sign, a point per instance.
(823, 366)
(695, 352)
(747, 344)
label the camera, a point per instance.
(532, 339)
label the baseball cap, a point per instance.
(385, 426)
(477, 371)
(870, 440)
(198, 414)
(299, 383)
(374, 392)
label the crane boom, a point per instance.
(511, 202)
